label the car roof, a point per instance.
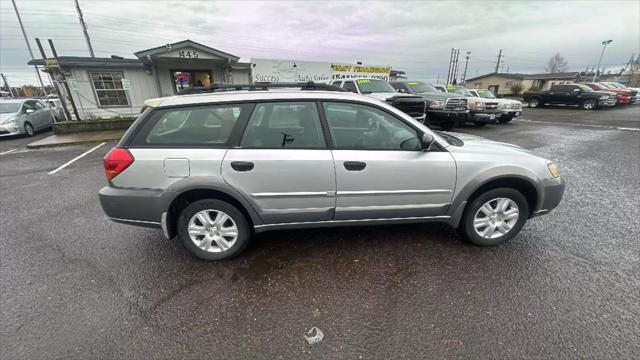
(256, 95)
(14, 100)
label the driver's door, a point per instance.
(381, 171)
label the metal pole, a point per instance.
(466, 63)
(596, 73)
(64, 81)
(7, 84)
(67, 115)
(498, 63)
(24, 34)
(84, 29)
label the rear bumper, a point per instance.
(140, 207)
(552, 192)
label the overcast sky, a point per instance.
(415, 36)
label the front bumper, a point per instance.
(10, 130)
(447, 116)
(484, 117)
(607, 103)
(552, 192)
(511, 113)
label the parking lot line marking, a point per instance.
(76, 158)
(583, 125)
(8, 151)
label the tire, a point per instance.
(28, 129)
(504, 120)
(480, 123)
(589, 104)
(496, 228)
(534, 103)
(217, 242)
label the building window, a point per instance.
(108, 87)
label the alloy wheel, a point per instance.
(213, 230)
(496, 218)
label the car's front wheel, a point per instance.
(28, 129)
(213, 229)
(589, 104)
(494, 217)
(505, 119)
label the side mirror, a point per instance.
(426, 141)
(577, 91)
(400, 90)
(29, 111)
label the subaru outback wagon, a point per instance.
(215, 168)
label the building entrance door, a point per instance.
(184, 79)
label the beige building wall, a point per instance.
(502, 82)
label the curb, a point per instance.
(53, 145)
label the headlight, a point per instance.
(436, 105)
(10, 121)
(604, 97)
(478, 105)
(553, 169)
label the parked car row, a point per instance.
(444, 106)
(588, 96)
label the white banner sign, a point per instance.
(274, 71)
(279, 71)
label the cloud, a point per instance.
(415, 36)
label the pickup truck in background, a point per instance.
(444, 110)
(509, 109)
(412, 105)
(570, 94)
(481, 111)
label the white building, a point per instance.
(98, 89)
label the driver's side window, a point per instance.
(362, 127)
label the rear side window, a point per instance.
(293, 125)
(204, 126)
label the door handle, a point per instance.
(354, 165)
(242, 165)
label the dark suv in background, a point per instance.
(443, 109)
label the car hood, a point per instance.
(439, 96)
(485, 145)
(601, 93)
(4, 117)
(384, 96)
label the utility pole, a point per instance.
(84, 29)
(6, 84)
(498, 63)
(604, 46)
(67, 115)
(466, 63)
(24, 34)
(64, 81)
(449, 71)
(456, 67)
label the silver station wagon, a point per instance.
(216, 167)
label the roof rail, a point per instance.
(310, 85)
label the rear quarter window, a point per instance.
(199, 126)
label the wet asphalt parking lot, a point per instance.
(75, 285)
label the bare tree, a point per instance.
(557, 64)
(516, 88)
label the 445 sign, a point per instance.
(188, 54)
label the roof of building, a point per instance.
(183, 44)
(82, 61)
(541, 76)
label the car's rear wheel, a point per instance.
(28, 129)
(494, 217)
(589, 104)
(213, 229)
(534, 103)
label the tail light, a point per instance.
(116, 161)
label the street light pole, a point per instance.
(604, 46)
(466, 63)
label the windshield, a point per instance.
(368, 86)
(460, 90)
(9, 107)
(420, 87)
(585, 88)
(485, 94)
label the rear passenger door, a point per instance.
(283, 165)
